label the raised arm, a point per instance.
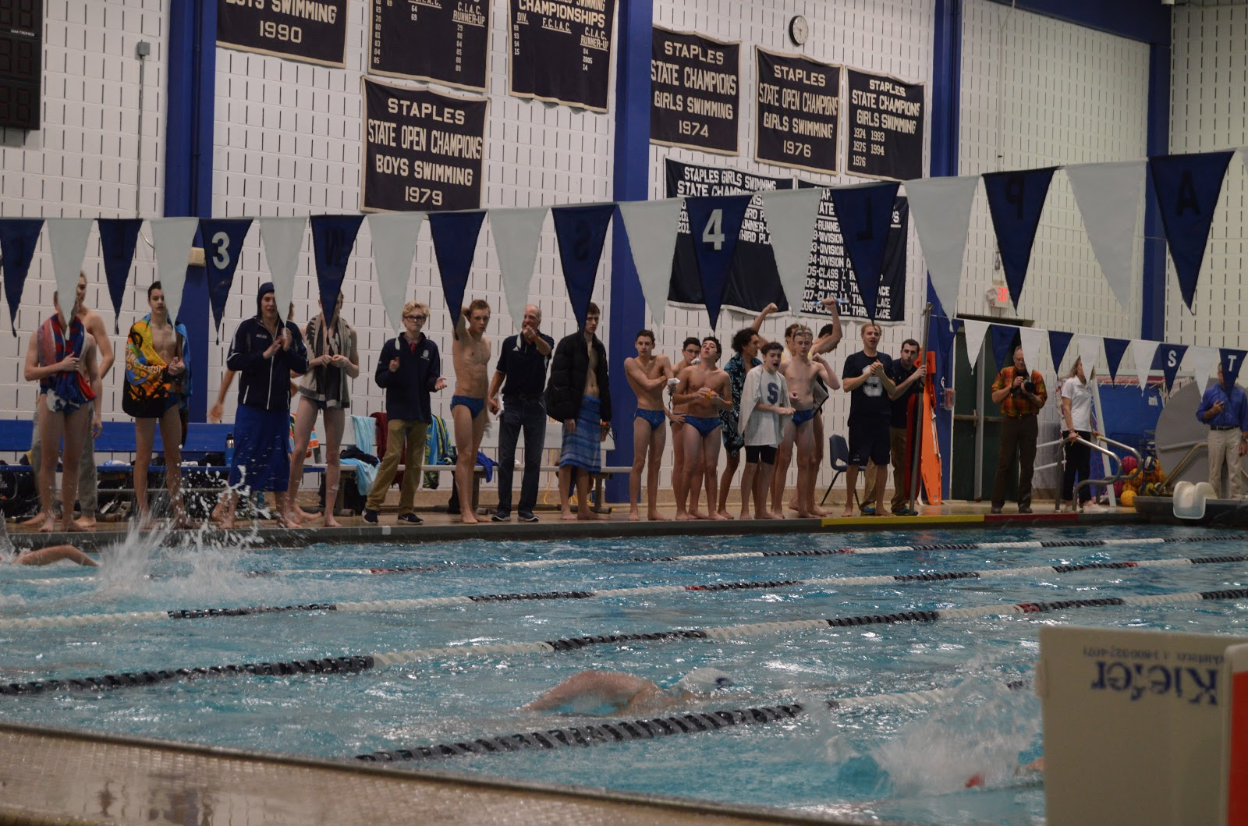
(764, 313)
(825, 344)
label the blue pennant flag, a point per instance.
(223, 245)
(1187, 188)
(942, 341)
(18, 239)
(1001, 338)
(1059, 341)
(714, 225)
(1171, 355)
(864, 214)
(1016, 200)
(1231, 361)
(117, 245)
(1114, 348)
(580, 232)
(333, 237)
(455, 238)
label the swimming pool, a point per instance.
(903, 755)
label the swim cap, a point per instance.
(705, 680)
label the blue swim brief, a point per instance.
(474, 406)
(703, 424)
(655, 418)
(801, 416)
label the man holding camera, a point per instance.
(1021, 394)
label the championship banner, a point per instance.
(753, 281)
(694, 91)
(561, 51)
(314, 31)
(797, 105)
(423, 150)
(887, 127)
(829, 271)
(444, 42)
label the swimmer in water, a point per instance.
(43, 556)
(611, 692)
(1032, 769)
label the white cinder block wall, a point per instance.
(1208, 114)
(288, 142)
(83, 163)
(886, 36)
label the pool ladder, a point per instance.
(1118, 476)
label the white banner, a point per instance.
(652, 230)
(394, 238)
(974, 337)
(941, 207)
(516, 233)
(1089, 350)
(1143, 356)
(1202, 361)
(1031, 339)
(282, 239)
(172, 239)
(1110, 197)
(68, 239)
(791, 215)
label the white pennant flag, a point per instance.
(516, 233)
(1089, 349)
(974, 337)
(1031, 339)
(652, 230)
(172, 239)
(1143, 356)
(282, 239)
(68, 239)
(1110, 197)
(394, 239)
(791, 215)
(941, 208)
(1202, 361)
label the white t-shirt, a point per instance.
(763, 427)
(1082, 399)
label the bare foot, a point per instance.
(793, 504)
(304, 516)
(746, 515)
(567, 516)
(719, 517)
(849, 512)
(819, 511)
(37, 520)
(288, 521)
(87, 522)
(330, 521)
(768, 515)
(47, 526)
(656, 516)
(697, 514)
(468, 518)
(682, 516)
(69, 526)
(182, 523)
(227, 524)
(634, 516)
(722, 514)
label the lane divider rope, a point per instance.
(617, 730)
(372, 606)
(356, 663)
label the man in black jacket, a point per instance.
(264, 353)
(578, 395)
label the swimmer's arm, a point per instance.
(46, 556)
(634, 370)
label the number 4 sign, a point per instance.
(714, 224)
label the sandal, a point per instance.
(868, 510)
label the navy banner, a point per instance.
(223, 241)
(714, 225)
(580, 232)
(1114, 348)
(118, 237)
(1058, 346)
(1187, 188)
(1002, 336)
(1016, 201)
(421, 40)
(1171, 356)
(864, 215)
(333, 237)
(561, 51)
(455, 238)
(18, 239)
(314, 31)
(694, 91)
(886, 127)
(797, 101)
(1230, 362)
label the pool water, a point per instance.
(879, 759)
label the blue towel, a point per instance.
(365, 473)
(488, 465)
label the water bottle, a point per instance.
(229, 449)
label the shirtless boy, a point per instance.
(689, 355)
(800, 373)
(156, 380)
(61, 356)
(647, 375)
(470, 353)
(87, 496)
(704, 389)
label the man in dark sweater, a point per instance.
(578, 395)
(408, 369)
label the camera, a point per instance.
(1028, 387)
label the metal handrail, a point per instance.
(1119, 467)
(1183, 464)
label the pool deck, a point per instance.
(441, 527)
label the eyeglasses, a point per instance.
(414, 318)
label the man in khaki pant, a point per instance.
(1223, 410)
(409, 370)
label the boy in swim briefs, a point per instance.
(470, 355)
(704, 389)
(647, 374)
